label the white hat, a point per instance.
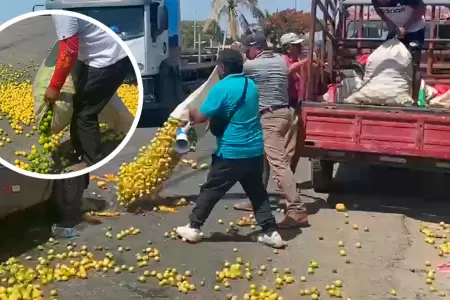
(290, 39)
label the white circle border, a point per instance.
(140, 96)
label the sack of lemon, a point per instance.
(155, 163)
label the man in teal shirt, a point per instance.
(232, 109)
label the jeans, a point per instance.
(222, 176)
(94, 89)
(68, 195)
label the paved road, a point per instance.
(390, 203)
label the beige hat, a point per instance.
(290, 39)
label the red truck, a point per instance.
(410, 137)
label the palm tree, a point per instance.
(229, 8)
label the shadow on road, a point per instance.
(25, 230)
(416, 194)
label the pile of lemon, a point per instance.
(152, 166)
(17, 106)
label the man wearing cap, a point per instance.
(291, 48)
(270, 73)
(231, 107)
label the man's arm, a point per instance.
(297, 66)
(67, 33)
(391, 25)
(419, 10)
(210, 106)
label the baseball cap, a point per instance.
(255, 40)
(290, 39)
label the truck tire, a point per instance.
(321, 175)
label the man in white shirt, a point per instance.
(406, 20)
(105, 65)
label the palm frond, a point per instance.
(217, 9)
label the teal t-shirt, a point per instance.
(243, 137)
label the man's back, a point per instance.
(243, 136)
(270, 73)
(97, 47)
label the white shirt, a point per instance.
(399, 13)
(97, 48)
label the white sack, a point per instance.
(388, 77)
(116, 115)
(351, 83)
(195, 100)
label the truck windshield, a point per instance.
(370, 29)
(374, 29)
(127, 22)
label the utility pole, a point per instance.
(195, 28)
(199, 47)
(295, 5)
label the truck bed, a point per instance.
(391, 131)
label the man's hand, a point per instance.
(402, 31)
(51, 95)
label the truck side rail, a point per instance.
(329, 9)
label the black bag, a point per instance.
(218, 125)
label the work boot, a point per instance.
(272, 239)
(77, 167)
(189, 233)
(64, 232)
(244, 206)
(247, 205)
(294, 219)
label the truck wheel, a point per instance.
(321, 175)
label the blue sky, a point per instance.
(188, 7)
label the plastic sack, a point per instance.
(115, 113)
(387, 78)
(195, 100)
(62, 108)
(441, 101)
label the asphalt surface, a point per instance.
(390, 203)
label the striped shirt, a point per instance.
(270, 73)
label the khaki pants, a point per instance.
(280, 132)
(296, 147)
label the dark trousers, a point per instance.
(417, 38)
(68, 195)
(94, 89)
(223, 175)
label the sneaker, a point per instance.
(272, 239)
(190, 234)
(64, 232)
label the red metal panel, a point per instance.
(389, 132)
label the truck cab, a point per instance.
(144, 26)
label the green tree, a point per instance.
(230, 10)
(187, 33)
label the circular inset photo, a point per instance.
(70, 94)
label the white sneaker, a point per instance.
(190, 234)
(272, 239)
